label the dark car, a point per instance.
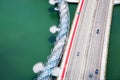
(98, 31)
(96, 71)
(78, 53)
(91, 75)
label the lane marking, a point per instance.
(69, 49)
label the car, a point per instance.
(96, 71)
(91, 75)
(78, 53)
(97, 31)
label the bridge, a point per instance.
(82, 53)
(85, 56)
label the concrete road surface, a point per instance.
(86, 52)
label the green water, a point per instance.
(24, 33)
(113, 68)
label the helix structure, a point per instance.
(57, 52)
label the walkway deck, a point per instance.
(86, 52)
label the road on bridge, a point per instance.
(86, 51)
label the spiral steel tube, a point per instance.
(58, 49)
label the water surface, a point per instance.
(113, 67)
(24, 33)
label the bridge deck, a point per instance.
(86, 50)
